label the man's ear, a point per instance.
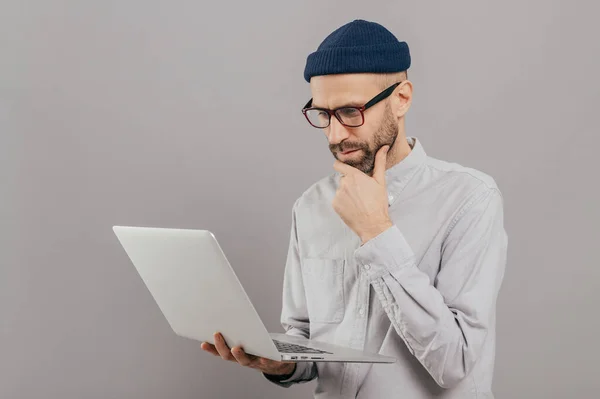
(402, 98)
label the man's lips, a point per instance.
(349, 151)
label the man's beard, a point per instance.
(385, 135)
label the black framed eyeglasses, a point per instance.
(348, 116)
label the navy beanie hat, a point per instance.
(359, 46)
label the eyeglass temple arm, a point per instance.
(381, 95)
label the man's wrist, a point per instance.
(285, 373)
(375, 231)
(291, 368)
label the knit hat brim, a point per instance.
(379, 58)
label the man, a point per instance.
(396, 252)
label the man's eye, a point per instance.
(349, 112)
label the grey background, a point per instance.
(187, 114)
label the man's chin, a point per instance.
(363, 168)
(358, 164)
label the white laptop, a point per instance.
(199, 294)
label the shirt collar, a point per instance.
(398, 176)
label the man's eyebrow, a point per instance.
(347, 104)
(354, 104)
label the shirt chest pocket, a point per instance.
(324, 287)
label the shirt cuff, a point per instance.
(388, 252)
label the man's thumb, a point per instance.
(380, 164)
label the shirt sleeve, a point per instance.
(294, 313)
(444, 323)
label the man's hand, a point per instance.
(361, 200)
(237, 355)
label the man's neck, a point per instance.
(399, 152)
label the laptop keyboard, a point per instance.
(284, 347)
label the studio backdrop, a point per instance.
(187, 114)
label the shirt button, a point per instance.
(367, 267)
(361, 311)
(391, 197)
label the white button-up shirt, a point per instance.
(423, 291)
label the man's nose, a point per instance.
(336, 132)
